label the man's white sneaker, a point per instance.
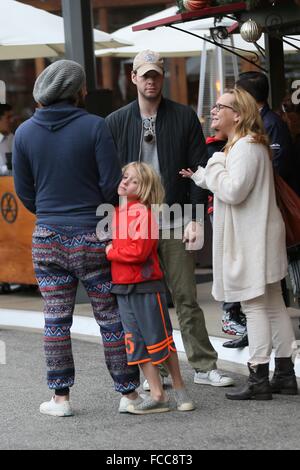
(214, 378)
(146, 386)
(124, 402)
(56, 409)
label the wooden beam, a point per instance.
(193, 15)
(129, 3)
(106, 62)
(182, 81)
(40, 65)
(55, 5)
(178, 82)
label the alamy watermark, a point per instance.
(134, 223)
(2, 352)
(2, 92)
(295, 96)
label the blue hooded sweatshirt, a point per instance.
(65, 165)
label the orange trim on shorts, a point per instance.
(138, 362)
(162, 313)
(158, 344)
(162, 343)
(166, 345)
(162, 360)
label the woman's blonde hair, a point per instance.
(150, 190)
(250, 122)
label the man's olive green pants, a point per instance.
(179, 268)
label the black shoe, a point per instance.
(241, 342)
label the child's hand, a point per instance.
(186, 173)
(108, 248)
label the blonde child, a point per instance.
(138, 285)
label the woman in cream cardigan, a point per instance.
(249, 254)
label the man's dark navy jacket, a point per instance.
(280, 142)
(65, 165)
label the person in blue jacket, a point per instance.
(65, 165)
(257, 84)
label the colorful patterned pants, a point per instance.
(61, 257)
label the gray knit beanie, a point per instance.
(60, 81)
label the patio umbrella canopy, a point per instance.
(166, 41)
(172, 43)
(27, 32)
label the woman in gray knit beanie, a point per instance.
(61, 81)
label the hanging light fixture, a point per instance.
(250, 31)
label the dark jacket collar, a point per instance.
(136, 108)
(265, 109)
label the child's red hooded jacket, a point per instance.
(134, 256)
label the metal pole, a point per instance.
(79, 37)
(202, 73)
(234, 61)
(275, 67)
(220, 69)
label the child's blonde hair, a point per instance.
(150, 190)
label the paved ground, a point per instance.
(216, 424)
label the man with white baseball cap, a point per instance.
(146, 61)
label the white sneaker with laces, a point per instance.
(52, 408)
(146, 386)
(124, 402)
(214, 378)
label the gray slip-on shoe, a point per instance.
(148, 406)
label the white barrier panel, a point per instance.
(87, 326)
(2, 92)
(2, 352)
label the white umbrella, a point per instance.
(27, 32)
(166, 41)
(172, 43)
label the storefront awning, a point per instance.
(193, 15)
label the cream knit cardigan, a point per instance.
(248, 230)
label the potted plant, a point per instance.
(181, 8)
(191, 5)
